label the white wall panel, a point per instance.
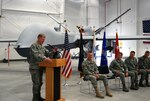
(84, 13)
(0, 7)
(76, 12)
(34, 5)
(101, 13)
(128, 21)
(126, 25)
(143, 14)
(17, 14)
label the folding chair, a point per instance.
(83, 81)
(89, 85)
(120, 85)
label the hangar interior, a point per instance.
(16, 15)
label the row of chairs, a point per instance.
(87, 84)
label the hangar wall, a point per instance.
(130, 24)
(126, 25)
(17, 14)
(143, 14)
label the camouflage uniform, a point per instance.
(37, 54)
(132, 66)
(144, 66)
(89, 70)
(120, 66)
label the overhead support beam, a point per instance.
(116, 19)
(0, 8)
(8, 40)
(60, 24)
(28, 11)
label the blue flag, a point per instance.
(104, 52)
(103, 68)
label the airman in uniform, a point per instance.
(90, 71)
(38, 53)
(144, 66)
(132, 65)
(118, 67)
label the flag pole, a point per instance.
(94, 45)
(103, 68)
(81, 56)
(65, 84)
(116, 45)
(8, 53)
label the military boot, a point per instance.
(147, 83)
(136, 86)
(42, 99)
(125, 88)
(98, 94)
(141, 84)
(36, 97)
(133, 87)
(108, 93)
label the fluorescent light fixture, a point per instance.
(78, 1)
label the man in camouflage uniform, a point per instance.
(118, 67)
(38, 53)
(144, 66)
(90, 72)
(132, 65)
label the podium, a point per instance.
(53, 79)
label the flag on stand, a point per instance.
(81, 55)
(67, 69)
(117, 46)
(9, 54)
(94, 47)
(146, 30)
(103, 68)
(146, 26)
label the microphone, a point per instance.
(57, 53)
(50, 46)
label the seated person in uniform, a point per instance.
(118, 67)
(90, 71)
(144, 68)
(132, 65)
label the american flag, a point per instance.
(146, 26)
(67, 69)
(146, 30)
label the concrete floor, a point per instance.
(16, 85)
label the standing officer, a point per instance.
(118, 67)
(90, 72)
(38, 53)
(132, 65)
(144, 66)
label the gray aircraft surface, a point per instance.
(53, 38)
(56, 39)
